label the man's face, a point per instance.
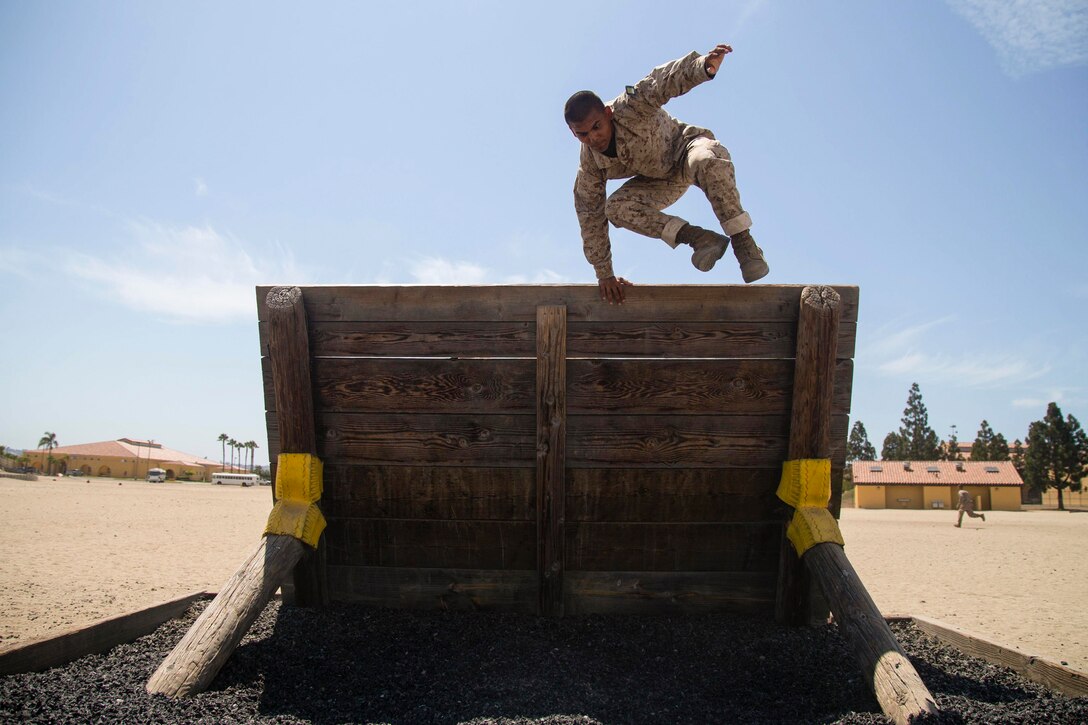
(595, 130)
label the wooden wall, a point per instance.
(529, 448)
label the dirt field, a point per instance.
(77, 551)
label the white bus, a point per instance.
(156, 475)
(236, 479)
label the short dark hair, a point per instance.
(580, 105)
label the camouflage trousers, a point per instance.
(638, 204)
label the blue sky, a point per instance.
(158, 160)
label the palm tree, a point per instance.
(48, 442)
(252, 447)
(223, 439)
(233, 449)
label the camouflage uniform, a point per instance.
(967, 506)
(665, 156)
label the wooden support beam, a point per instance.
(289, 358)
(196, 660)
(897, 686)
(551, 415)
(810, 427)
(211, 640)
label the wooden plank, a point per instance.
(677, 338)
(680, 338)
(631, 441)
(423, 338)
(665, 495)
(1037, 669)
(429, 492)
(551, 414)
(432, 544)
(382, 385)
(504, 303)
(668, 593)
(452, 589)
(748, 546)
(100, 636)
(690, 387)
(448, 440)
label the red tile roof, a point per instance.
(122, 448)
(935, 473)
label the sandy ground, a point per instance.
(75, 551)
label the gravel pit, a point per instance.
(351, 664)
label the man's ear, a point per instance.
(608, 112)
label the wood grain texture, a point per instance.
(750, 303)
(668, 593)
(448, 589)
(551, 451)
(101, 636)
(886, 668)
(1037, 669)
(746, 546)
(705, 495)
(429, 492)
(676, 338)
(196, 660)
(432, 544)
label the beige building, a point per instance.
(123, 458)
(994, 485)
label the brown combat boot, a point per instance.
(709, 246)
(752, 264)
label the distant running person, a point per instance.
(632, 137)
(967, 506)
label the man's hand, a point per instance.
(612, 289)
(714, 58)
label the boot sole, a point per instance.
(754, 273)
(705, 261)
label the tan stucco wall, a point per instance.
(1069, 498)
(987, 498)
(1005, 498)
(115, 466)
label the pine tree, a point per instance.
(980, 449)
(999, 448)
(858, 448)
(919, 441)
(1057, 455)
(1017, 457)
(893, 448)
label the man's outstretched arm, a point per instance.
(679, 76)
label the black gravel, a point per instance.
(353, 664)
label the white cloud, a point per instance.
(188, 274)
(437, 270)
(1030, 35)
(919, 352)
(200, 188)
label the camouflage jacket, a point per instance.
(649, 142)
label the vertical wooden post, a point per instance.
(810, 427)
(897, 686)
(551, 430)
(289, 357)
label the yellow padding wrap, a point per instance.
(806, 486)
(806, 482)
(298, 489)
(811, 526)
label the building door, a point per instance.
(903, 497)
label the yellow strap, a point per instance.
(811, 526)
(806, 482)
(298, 489)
